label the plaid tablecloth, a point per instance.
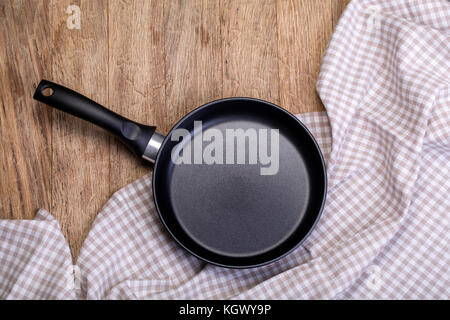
(385, 229)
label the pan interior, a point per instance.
(232, 211)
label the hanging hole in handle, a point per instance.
(47, 92)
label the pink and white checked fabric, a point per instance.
(384, 233)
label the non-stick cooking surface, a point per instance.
(230, 212)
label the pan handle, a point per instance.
(141, 139)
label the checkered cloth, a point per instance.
(384, 233)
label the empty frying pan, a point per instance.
(218, 190)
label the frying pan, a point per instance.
(228, 214)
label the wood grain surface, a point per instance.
(151, 60)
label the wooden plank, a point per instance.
(25, 127)
(304, 29)
(80, 162)
(193, 54)
(250, 62)
(136, 76)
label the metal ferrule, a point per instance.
(153, 146)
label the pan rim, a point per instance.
(322, 162)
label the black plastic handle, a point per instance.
(136, 136)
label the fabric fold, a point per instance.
(35, 259)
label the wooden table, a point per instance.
(153, 61)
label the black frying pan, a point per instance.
(226, 214)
